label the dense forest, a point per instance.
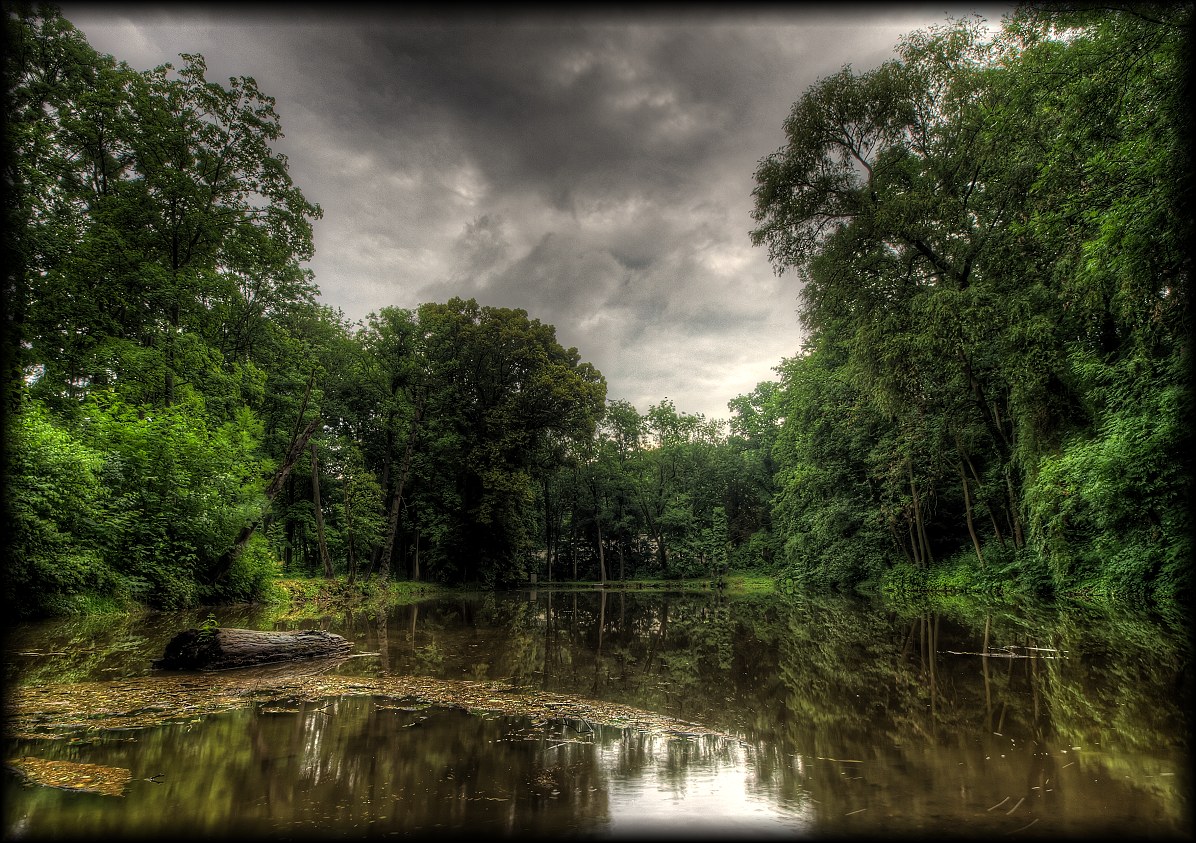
(989, 236)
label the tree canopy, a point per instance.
(988, 232)
(981, 307)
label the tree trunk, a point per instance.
(915, 546)
(387, 459)
(923, 542)
(967, 507)
(319, 509)
(349, 535)
(288, 550)
(989, 412)
(573, 543)
(991, 512)
(601, 555)
(901, 544)
(219, 649)
(225, 562)
(396, 505)
(168, 378)
(598, 530)
(552, 529)
(1015, 521)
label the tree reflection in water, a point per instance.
(849, 716)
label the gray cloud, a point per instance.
(593, 169)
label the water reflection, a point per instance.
(358, 764)
(848, 716)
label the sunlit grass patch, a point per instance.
(311, 597)
(751, 584)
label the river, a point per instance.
(822, 716)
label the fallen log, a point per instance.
(219, 648)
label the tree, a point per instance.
(1101, 102)
(754, 427)
(832, 526)
(498, 392)
(892, 201)
(55, 513)
(164, 228)
(972, 237)
(159, 243)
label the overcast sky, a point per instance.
(594, 169)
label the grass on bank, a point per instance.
(318, 595)
(738, 583)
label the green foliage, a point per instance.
(478, 406)
(1110, 511)
(56, 505)
(1021, 575)
(902, 578)
(160, 226)
(993, 395)
(251, 577)
(127, 503)
(989, 233)
(160, 240)
(824, 505)
(179, 486)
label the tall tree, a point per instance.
(152, 220)
(501, 389)
(970, 222)
(159, 220)
(1102, 105)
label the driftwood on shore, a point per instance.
(219, 648)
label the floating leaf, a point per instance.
(72, 775)
(155, 700)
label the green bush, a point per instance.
(251, 577)
(179, 485)
(55, 506)
(1109, 511)
(902, 578)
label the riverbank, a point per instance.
(297, 597)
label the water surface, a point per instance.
(841, 716)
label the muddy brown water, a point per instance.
(821, 716)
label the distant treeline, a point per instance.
(989, 233)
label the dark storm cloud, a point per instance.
(593, 169)
(552, 109)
